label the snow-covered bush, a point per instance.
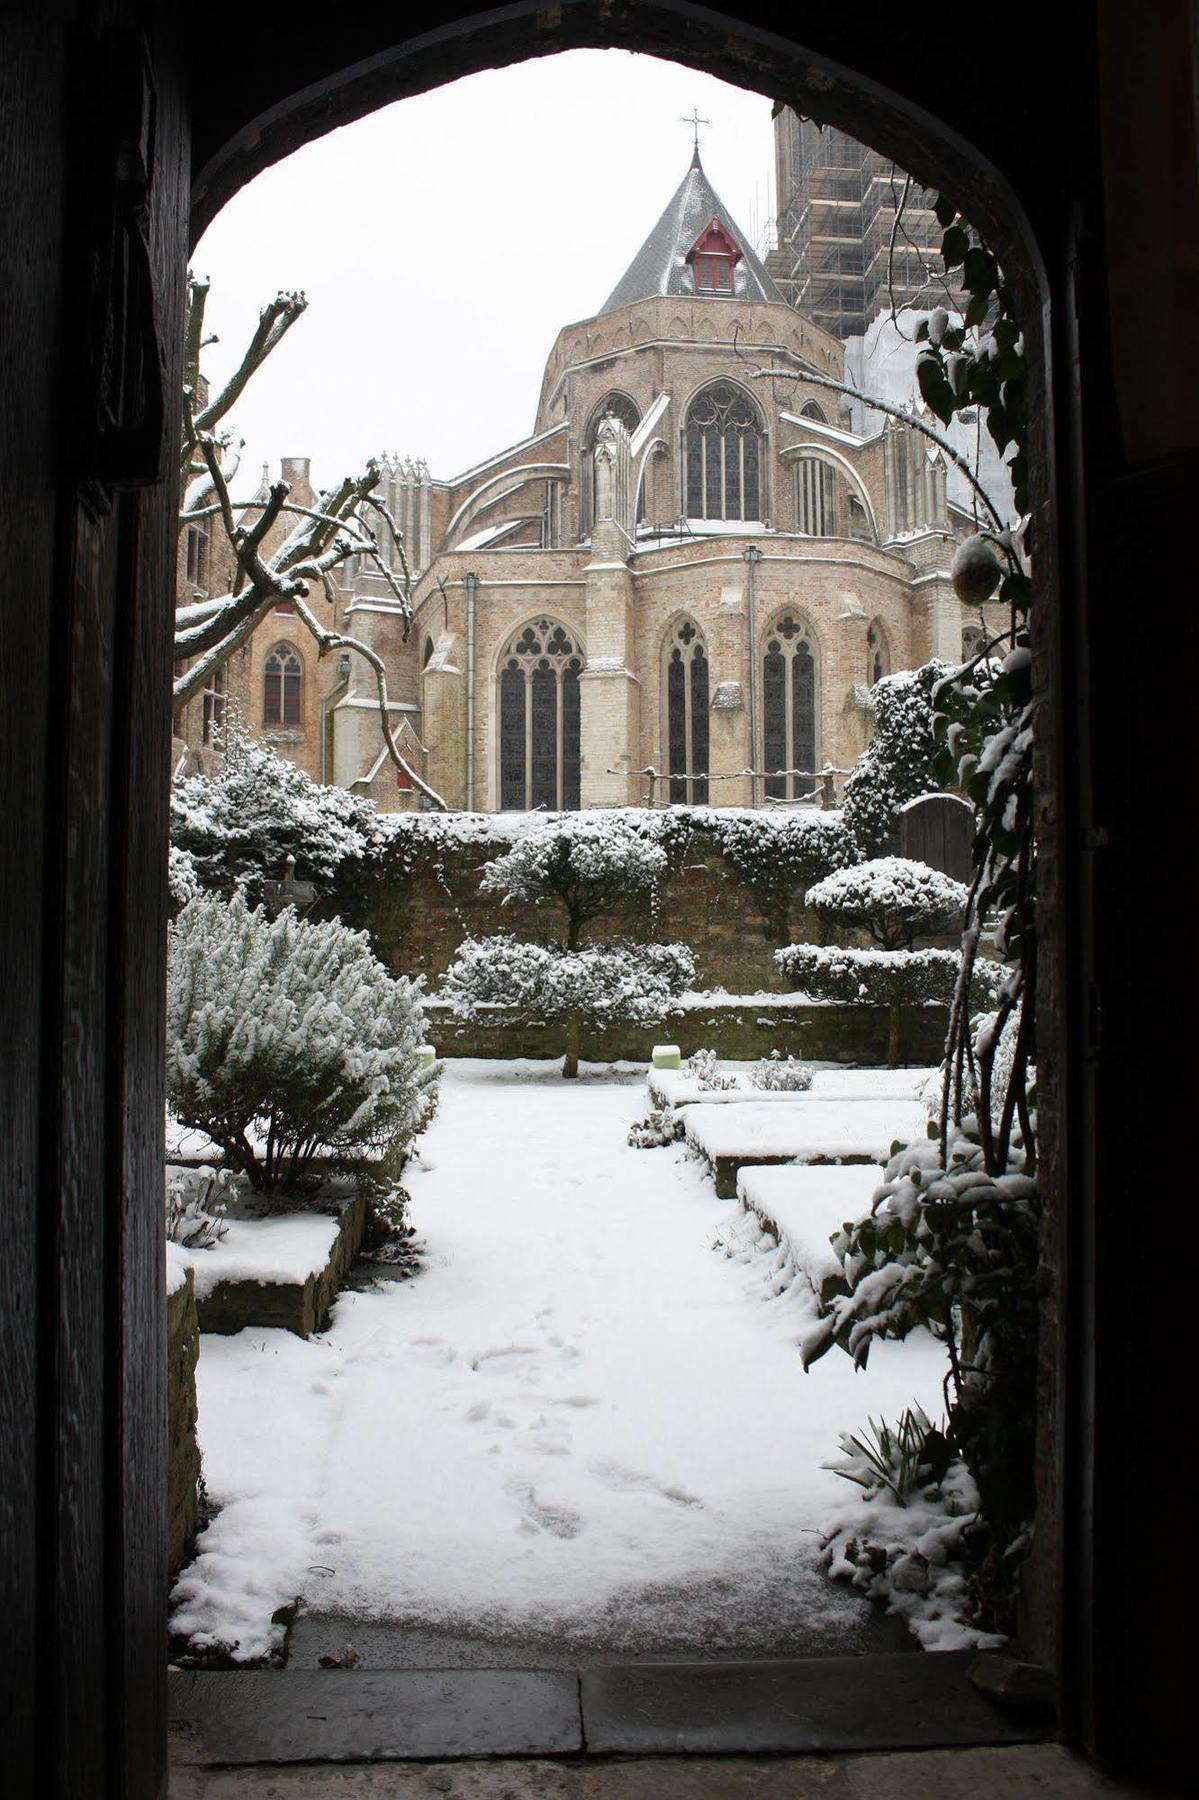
(883, 977)
(776, 1074)
(492, 979)
(182, 879)
(662, 1125)
(591, 863)
(295, 1034)
(703, 1066)
(951, 1248)
(891, 978)
(899, 763)
(388, 1237)
(893, 898)
(240, 825)
(777, 855)
(196, 1205)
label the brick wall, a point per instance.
(417, 920)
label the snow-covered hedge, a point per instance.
(893, 898)
(239, 826)
(883, 977)
(294, 1034)
(609, 982)
(775, 855)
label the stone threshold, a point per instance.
(815, 1706)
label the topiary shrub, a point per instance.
(890, 978)
(589, 863)
(892, 898)
(293, 1034)
(493, 978)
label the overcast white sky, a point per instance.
(443, 242)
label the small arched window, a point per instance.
(811, 409)
(878, 652)
(282, 675)
(789, 709)
(723, 440)
(428, 652)
(973, 639)
(685, 681)
(539, 719)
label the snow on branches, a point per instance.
(239, 825)
(883, 977)
(893, 898)
(601, 984)
(288, 1041)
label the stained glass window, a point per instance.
(618, 406)
(815, 498)
(281, 678)
(723, 439)
(789, 710)
(685, 701)
(539, 719)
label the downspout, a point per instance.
(472, 583)
(327, 704)
(753, 557)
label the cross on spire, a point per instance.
(695, 121)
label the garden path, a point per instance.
(574, 1424)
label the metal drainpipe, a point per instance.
(753, 557)
(471, 583)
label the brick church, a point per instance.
(679, 587)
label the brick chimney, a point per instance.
(296, 474)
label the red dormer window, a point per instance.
(713, 257)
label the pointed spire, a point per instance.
(661, 266)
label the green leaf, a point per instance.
(934, 388)
(976, 312)
(778, 107)
(945, 210)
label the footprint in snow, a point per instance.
(491, 1356)
(434, 1352)
(545, 1443)
(537, 1515)
(616, 1476)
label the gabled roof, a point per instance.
(661, 266)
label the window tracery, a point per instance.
(685, 710)
(789, 709)
(723, 440)
(282, 677)
(539, 719)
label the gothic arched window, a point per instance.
(214, 706)
(685, 710)
(815, 498)
(723, 440)
(812, 409)
(282, 675)
(617, 406)
(878, 653)
(539, 719)
(788, 708)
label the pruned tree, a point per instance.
(345, 523)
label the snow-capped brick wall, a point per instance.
(418, 918)
(183, 1451)
(740, 1027)
(284, 1271)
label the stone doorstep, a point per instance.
(819, 1705)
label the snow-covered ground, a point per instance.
(578, 1418)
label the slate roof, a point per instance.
(660, 266)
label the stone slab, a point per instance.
(1045, 1770)
(823, 1704)
(269, 1716)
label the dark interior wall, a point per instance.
(1095, 144)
